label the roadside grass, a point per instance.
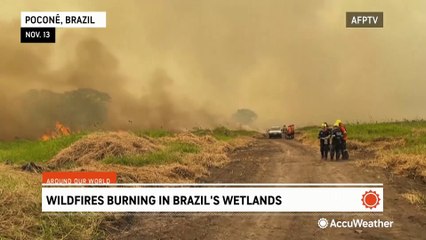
(173, 152)
(72, 226)
(22, 151)
(223, 133)
(415, 197)
(399, 146)
(20, 195)
(21, 217)
(412, 132)
(154, 133)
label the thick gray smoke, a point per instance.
(179, 64)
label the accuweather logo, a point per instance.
(322, 223)
(354, 223)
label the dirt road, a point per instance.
(281, 161)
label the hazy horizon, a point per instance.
(183, 64)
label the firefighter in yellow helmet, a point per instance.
(345, 153)
(342, 128)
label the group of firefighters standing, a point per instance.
(333, 140)
(288, 131)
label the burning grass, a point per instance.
(60, 130)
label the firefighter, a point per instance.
(336, 142)
(284, 130)
(324, 136)
(290, 131)
(345, 153)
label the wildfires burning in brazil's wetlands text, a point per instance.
(204, 119)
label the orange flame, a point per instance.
(60, 130)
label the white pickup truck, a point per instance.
(274, 132)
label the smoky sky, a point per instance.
(183, 64)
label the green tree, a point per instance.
(244, 116)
